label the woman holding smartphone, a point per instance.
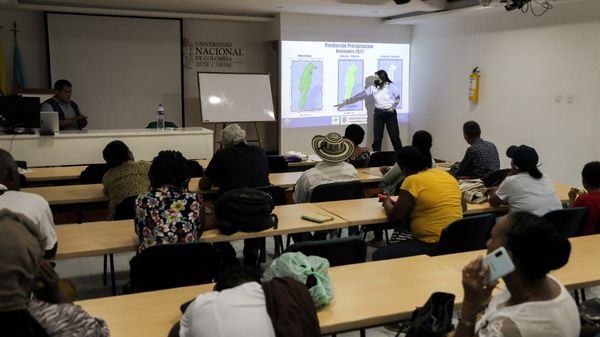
(387, 97)
(533, 304)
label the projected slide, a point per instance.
(307, 86)
(315, 76)
(393, 68)
(350, 83)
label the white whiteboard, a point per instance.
(121, 68)
(231, 97)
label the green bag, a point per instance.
(309, 270)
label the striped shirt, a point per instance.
(322, 173)
(66, 319)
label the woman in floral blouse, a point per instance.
(168, 213)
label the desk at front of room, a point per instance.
(85, 147)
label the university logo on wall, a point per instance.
(211, 54)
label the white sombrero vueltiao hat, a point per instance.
(332, 147)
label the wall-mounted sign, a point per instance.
(211, 54)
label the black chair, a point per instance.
(22, 181)
(568, 221)
(168, 124)
(276, 192)
(338, 252)
(22, 164)
(126, 208)
(196, 170)
(277, 164)
(346, 190)
(93, 174)
(173, 265)
(496, 178)
(383, 158)
(467, 234)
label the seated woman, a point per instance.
(533, 303)
(125, 177)
(360, 156)
(168, 213)
(22, 271)
(527, 189)
(392, 176)
(429, 198)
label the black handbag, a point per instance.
(246, 210)
(434, 319)
(589, 312)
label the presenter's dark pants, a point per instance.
(389, 119)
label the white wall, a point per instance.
(255, 38)
(136, 69)
(302, 27)
(32, 42)
(525, 62)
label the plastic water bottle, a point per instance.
(160, 118)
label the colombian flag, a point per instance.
(3, 74)
(19, 72)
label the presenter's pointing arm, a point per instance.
(357, 97)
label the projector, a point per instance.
(509, 4)
(515, 4)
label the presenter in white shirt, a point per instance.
(387, 97)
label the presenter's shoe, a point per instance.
(376, 243)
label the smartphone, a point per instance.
(499, 263)
(317, 217)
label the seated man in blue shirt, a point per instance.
(481, 158)
(69, 115)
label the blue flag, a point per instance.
(19, 72)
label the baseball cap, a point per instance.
(524, 157)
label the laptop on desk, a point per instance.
(48, 123)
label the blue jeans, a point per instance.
(388, 119)
(404, 249)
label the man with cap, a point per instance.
(335, 151)
(527, 189)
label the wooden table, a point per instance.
(81, 194)
(369, 211)
(110, 237)
(70, 194)
(50, 174)
(62, 173)
(582, 271)
(366, 294)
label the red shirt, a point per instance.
(592, 202)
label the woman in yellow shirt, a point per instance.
(429, 199)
